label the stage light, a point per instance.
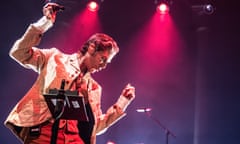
(203, 9)
(163, 6)
(93, 6)
(208, 9)
(111, 142)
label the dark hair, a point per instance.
(102, 42)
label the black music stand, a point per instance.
(73, 106)
(64, 105)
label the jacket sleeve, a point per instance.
(112, 115)
(23, 50)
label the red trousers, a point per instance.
(63, 137)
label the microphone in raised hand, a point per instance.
(50, 10)
(54, 5)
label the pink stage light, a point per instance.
(163, 8)
(93, 6)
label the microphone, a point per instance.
(142, 110)
(55, 6)
(58, 8)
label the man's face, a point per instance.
(98, 61)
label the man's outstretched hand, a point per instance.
(50, 10)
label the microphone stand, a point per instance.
(58, 111)
(166, 130)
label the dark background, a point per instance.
(195, 94)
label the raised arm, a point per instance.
(23, 50)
